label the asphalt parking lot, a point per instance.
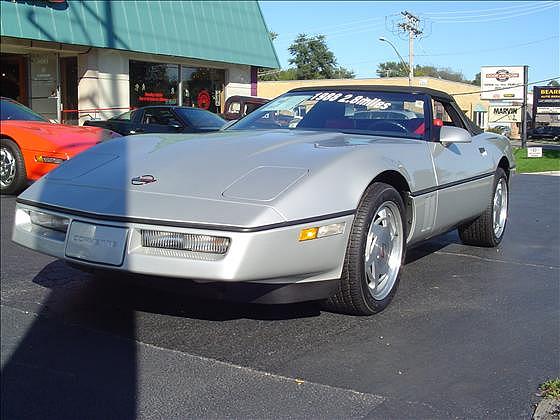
(471, 333)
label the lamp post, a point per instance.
(410, 75)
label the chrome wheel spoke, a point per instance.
(383, 251)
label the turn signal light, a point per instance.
(321, 231)
(49, 159)
(308, 234)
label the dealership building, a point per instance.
(77, 60)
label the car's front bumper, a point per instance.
(272, 256)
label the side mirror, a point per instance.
(449, 135)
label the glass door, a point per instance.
(69, 89)
(45, 95)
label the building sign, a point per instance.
(546, 99)
(155, 97)
(505, 114)
(502, 82)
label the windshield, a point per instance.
(10, 110)
(126, 116)
(349, 111)
(199, 118)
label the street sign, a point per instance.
(534, 152)
(502, 82)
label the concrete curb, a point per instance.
(547, 409)
(551, 173)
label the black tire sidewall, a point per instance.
(21, 176)
(375, 196)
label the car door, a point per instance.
(464, 171)
(160, 120)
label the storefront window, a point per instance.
(153, 84)
(157, 84)
(203, 88)
(13, 77)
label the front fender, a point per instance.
(339, 185)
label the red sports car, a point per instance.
(31, 146)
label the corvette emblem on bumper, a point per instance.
(144, 179)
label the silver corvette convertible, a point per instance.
(315, 195)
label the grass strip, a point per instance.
(550, 161)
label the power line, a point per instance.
(521, 5)
(488, 12)
(352, 22)
(342, 32)
(494, 17)
(489, 49)
(505, 88)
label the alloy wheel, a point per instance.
(7, 167)
(383, 251)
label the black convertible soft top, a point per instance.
(380, 88)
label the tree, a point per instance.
(288, 74)
(476, 80)
(553, 83)
(440, 73)
(392, 69)
(273, 35)
(400, 69)
(343, 73)
(313, 59)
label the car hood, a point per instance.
(231, 177)
(61, 136)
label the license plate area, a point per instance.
(96, 243)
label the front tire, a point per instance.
(13, 176)
(488, 229)
(374, 255)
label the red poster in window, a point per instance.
(203, 99)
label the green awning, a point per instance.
(225, 31)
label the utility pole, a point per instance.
(412, 26)
(524, 108)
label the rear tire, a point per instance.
(374, 254)
(13, 176)
(488, 229)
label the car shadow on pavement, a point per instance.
(67, 371)
(424, 249)
(87, 367)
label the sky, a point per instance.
(461, 35)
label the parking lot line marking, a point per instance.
(458, 254)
